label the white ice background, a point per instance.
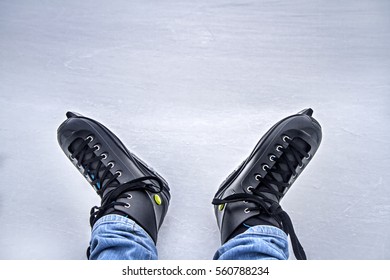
(190, 87)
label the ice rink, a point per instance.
(190, 87)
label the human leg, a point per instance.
(260, 242)
(250, 196)
(126, 185)
(115, 237)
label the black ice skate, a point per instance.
(126, 185)
(251, 194)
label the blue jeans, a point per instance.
(118, 238)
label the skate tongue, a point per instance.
(70, 114)
(308, 112)
(90, 170)
(284, 169)
(259, 220)
(262, 219)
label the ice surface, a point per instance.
(190, 87)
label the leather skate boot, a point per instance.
(251, 194)
(126, 185)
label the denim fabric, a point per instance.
(256, 243)
(118, 238)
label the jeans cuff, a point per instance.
(107, 219)
(267, 230)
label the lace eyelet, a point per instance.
(104, 155)
(257, 177)
(247, 210)
(244, 201)
(308, 156)
(265, 167)
(71, 158)
(127, 205)
(119, 173)
(96, 147)
(278, 148)
(90, 137)
(249, 188)
(286, 138)
(88, 177)
(272, 157)
(111, 163)
(129, 196)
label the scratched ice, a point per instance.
(190, 87)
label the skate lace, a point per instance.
(101, 179)
(276, 182)
(97, 173)
(110, 199)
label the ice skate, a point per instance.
(251, 194)
(126, 185)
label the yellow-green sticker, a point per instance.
(221, 206)
(157, 199)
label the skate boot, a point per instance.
(251, 194)
(126, 185)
